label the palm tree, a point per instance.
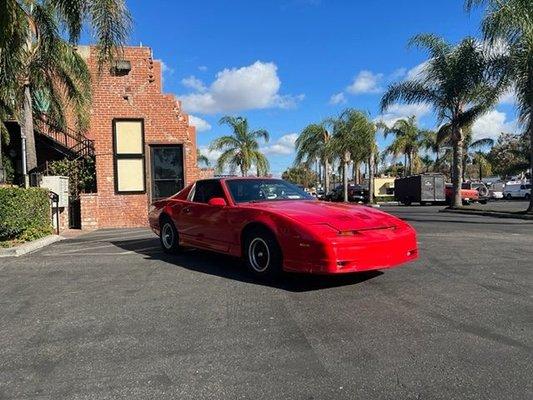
(472, 149)
(34, 57)
(201, 158)
(480, 159)
(511, 21)
(352, 137)
(427, 162)
(313, 144)
(429, 141)
(407, 140)
(241, 148)
(456, 82)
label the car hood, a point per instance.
(340, 216)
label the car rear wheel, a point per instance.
(262, 254)
(508, 196)
(168, 236)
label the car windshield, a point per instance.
(255, 190)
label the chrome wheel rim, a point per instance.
(167, 235)
(259, 255)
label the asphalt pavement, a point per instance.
(107, 315)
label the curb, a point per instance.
(29, 247)
(495, 214)
(389, 203)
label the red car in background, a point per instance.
(467, 195)
(275, 226)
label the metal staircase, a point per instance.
(71, 143)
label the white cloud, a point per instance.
(397, 74)
(338, 98)
(165, 69)
(365, 82)
(202, 68)
(194, 83)
(212, 155)
(398, 111)
(255, 86)
(417, 71)
(200, 124)
(508, 97)
(283, 146)
(491, 125)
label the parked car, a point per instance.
(481, 188)
(274, 226)
(320, 194)
(517, 190)
(467, 195)
(356, 194)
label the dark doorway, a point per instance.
(167, 170)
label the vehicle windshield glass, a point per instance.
(255, 190)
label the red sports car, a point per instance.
(274, 226)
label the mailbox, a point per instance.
(59, 185)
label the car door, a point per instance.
(204, 225)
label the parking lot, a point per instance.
(107, 315)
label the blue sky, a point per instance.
(286, 63)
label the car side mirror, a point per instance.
(217, 201)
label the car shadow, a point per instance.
(233, 268)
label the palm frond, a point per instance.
(409, 92)
(436, 46)
(480, 143)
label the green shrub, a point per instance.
(24, 214)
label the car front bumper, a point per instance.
(374, 250)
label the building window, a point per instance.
(128, 151)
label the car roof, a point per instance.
(237, 178)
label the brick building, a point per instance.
(145, 147)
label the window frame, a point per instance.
(130, 156)
(153, 180)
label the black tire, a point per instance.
(168, 236)
(262, 254)
(527, 196)
(508, 196)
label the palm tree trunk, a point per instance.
(2, 177)
(371, 178)
(326, 176)
(345, 176)
(530, 207)
(26, 130)
(457, 168)
(405, 165)
(465, 159)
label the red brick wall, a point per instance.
(89, 211)
(206, 173)
(135, 95)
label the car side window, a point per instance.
(206, 190)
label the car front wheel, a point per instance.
(168, 236)
(262, 254)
